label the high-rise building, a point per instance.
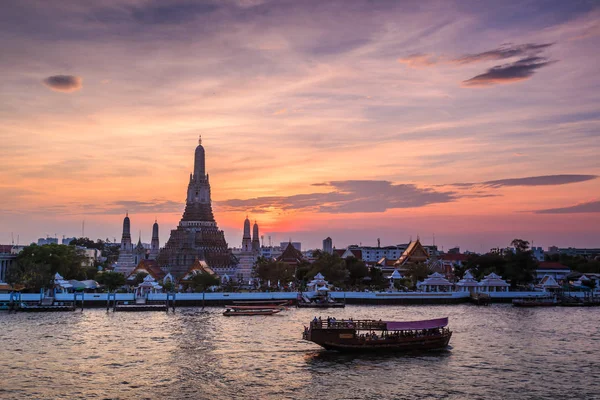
(197, 236)
(328, 245)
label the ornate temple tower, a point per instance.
(197, 235)
(139, 252)
(246, 240)
(154, 244)
(255, 238)
(126, 262)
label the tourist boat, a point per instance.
(371, 335)
(234, 312)
(535, 302)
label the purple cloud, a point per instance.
(546, 180)
(508, 73)
(64, 83)
(503, 52)
(355, 196)
(589, 207)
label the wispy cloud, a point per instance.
(508, 73)
(419, 60)
(356, 196)
(64, 83)
(503, 52)
(157, 206)
(589, 207)
(545, 180)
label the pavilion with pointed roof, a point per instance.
(493, 283)
(435, 282)
(548, 282)
(148, 285)
(467, 283)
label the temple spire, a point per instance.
(199, 162)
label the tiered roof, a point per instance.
(291, 255)
(198, 267)
(493, 280)
(548, 282)
(435, 279)
(467, 280)
(414, 253)
(149, 267)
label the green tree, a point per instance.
(481, 265)
(200, 282)
(36, 265)
(357, 271)
(417, 272)
(331, 266)
(520, 266)
(378, 281)
(87, 243)
(168, 286)
(274, 271)
(27, 272)
(459, 271)
(111, 280)
(139, 278)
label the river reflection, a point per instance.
(496, 351)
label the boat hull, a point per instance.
(319, 305)
(338, 340)
(249, 313)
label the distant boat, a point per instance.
(233, 312)
(261, 307)
(319, 301)
(371, 335)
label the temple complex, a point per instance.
(197, 235)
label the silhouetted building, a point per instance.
(197, 236)
(328, 246)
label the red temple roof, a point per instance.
(552, 265)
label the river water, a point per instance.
(496, 352)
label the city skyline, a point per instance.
(353, 120)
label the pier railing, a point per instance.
(348, 324)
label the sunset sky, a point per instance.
(476, 121)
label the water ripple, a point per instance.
(496, 351)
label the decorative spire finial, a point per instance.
(200, 139)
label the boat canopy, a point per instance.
(417, 325)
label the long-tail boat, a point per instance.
(235, 312)
(371, 335)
